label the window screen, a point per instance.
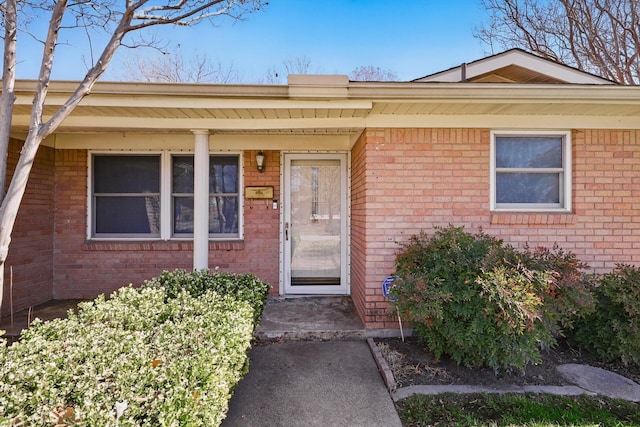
(126, 194)
(529, 172)
(223, 195)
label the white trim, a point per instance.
(566, 173)
(166, 209)
(344, 288)
(281, 227)
(201, 200)
(90, 218)
(518, 58)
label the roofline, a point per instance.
(585, 76)
(155, 88)
(144, 93)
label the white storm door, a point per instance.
(315, 224)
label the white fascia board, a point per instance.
(521, 59)
(525, 122)
(477, 92)
(540, 65)
(173, 124)
(144, 101)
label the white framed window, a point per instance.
(224, 196)
(150, 195)
(530, 171)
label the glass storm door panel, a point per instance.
(314, 224)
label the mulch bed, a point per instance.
(414, 365)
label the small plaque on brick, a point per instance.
(258, 192)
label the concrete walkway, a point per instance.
(316, 370)
(304, 383)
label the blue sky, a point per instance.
(412, 38)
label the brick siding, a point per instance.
(407, 180)
(403, 181)
(31, 249)
(84, 269)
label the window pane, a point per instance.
(527, 188)
(223, 174)
(223, 215)
(130, 215)
(183, 215)
(223, 179)
(183, 174)
(126, 174)
(528, 152)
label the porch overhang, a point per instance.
(325, 109)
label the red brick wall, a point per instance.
(31, 249)
(363, 296)
(403, 181)
(407, 180)
(84, 269)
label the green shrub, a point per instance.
(136, 359)
(480, 301)
(612, 329)
(245, 287)
(568, 297)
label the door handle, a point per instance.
(286, 231)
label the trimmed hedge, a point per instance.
(245, 287)
(150, 356)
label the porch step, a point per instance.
(289, 319)
(311, 318)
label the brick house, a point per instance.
(311, 185)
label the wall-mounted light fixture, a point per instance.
(260, 161)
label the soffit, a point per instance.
(514, 74)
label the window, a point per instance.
(126, 196)
(128, 200)
(531, 171)
(223, 195)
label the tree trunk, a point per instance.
(7, 100)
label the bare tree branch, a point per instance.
(174, 67)
(369, 73)
(79, 14)
(597, 36)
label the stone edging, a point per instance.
(383, 366)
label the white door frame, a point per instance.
(285, 214)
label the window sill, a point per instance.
(533, 218)
(159, 245)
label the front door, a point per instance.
(314, 224)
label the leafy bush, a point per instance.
(612, 329)
(245, 287)
(139, 358)
(480, 301)
(568, 297)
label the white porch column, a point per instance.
(201, 200)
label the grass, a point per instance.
(530, 410)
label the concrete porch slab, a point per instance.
(311, 318)
(289, 319)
